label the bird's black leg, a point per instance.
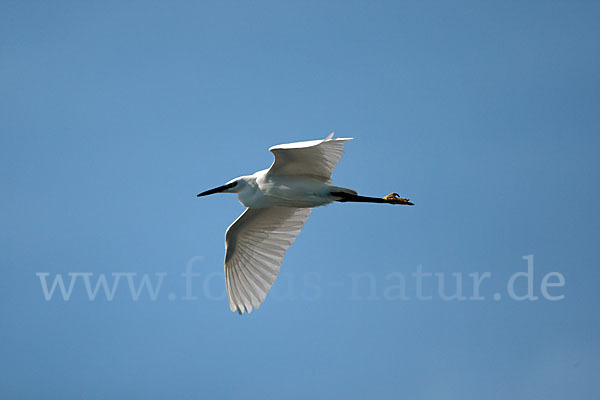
(355, 198)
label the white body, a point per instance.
(265, 190)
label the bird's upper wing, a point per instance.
(256, 243)
(315, 158)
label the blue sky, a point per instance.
(485, 114)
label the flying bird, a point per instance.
(280, 200)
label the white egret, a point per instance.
(279, 200)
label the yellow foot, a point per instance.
(396, 199)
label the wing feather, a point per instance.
(315, 158)
(256, 243)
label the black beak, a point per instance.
(216, 190)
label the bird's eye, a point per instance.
(233, 184)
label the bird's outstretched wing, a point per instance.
(314, 158)
(256, 243)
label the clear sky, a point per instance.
(115, 114)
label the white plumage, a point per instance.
(256, 243)
(279, 201)
(314, 158)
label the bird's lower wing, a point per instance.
(256, 243)
(316, 158)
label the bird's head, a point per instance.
(233, 186)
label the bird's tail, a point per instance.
(351, 196)
(337, 190)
